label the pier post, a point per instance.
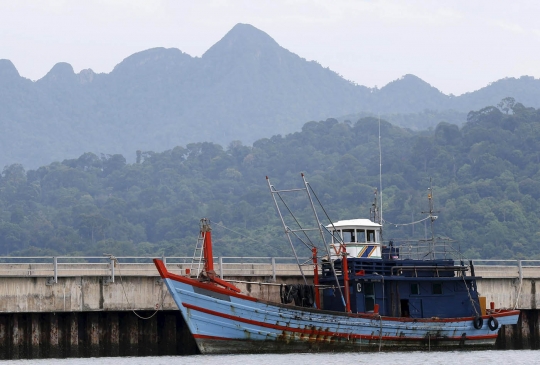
(114, 334)
(166, 324)
(525, 334)
(129, 338)
(35, 336)
(16, 337)
(148, 335)
(72, 349)
(53, 335)
(92, 328)
(4, 345)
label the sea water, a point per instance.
(509, 357)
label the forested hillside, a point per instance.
(245, 87)
(486, 178)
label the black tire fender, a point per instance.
(478, 322)
(493, 324)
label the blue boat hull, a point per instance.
(223, 321)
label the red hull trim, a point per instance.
(167, 275)
(205, 337)
(315, 332)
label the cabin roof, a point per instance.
(354, 223)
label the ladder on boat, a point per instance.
(197, 262)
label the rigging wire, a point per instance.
(238, 233)
(405, 224)
(296, 220)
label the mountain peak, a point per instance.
(62, 72)
(8, 71)
(86, 76)
(240, 39)
(164, 59)
(409, 82)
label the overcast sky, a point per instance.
(456, 46)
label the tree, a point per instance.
(506, 104)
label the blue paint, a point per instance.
(439, 291)
(231, 323)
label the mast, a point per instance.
(209, 272)
(375, 215)
(432, 218)
(380, 175)
(206, 233)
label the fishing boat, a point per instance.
(364, 296)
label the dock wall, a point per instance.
(93, 334)
(95, 310)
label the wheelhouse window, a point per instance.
(348, 235)
(415, 289)
(336, 236)
(437, 288)
(356, 235)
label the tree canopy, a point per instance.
(486, 178)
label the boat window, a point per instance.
(369, 289)
(336, 236)
(360, 235)
(370, 235)
(348, 235)
(415, 289)
(437, 288)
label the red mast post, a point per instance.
(206, 233)
(345, 269)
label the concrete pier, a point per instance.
(53, 310)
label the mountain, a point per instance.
(245, 87)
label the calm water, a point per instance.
(394, 358)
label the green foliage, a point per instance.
(486, 182)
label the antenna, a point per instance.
(380, 177)
(432, 219)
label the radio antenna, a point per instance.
(380, 177)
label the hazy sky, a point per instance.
(456, 46)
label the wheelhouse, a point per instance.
(361, 237)
(380, 281)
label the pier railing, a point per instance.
(112, 267)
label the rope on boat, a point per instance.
(380, 332)
(115, 260)
(271, 284)
(233, 231)
(519, 290)
(469, 294)
(405, 224)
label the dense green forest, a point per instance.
(486, 180)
